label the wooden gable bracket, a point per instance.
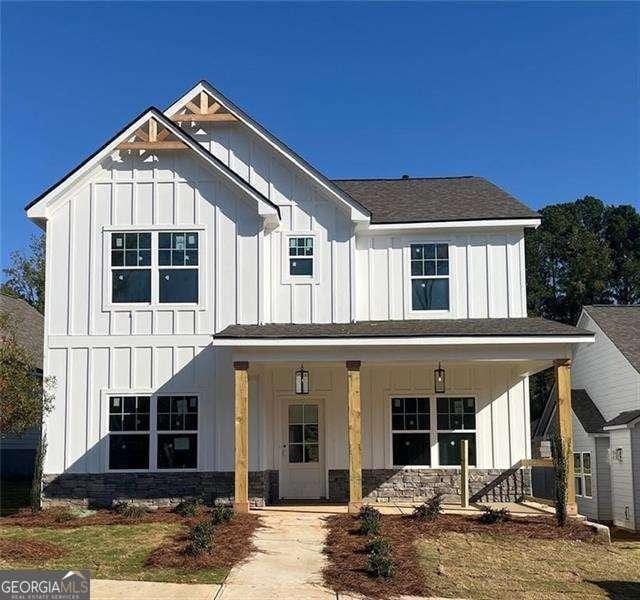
(199, 110)
(152, 139)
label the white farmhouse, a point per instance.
(223, 320)
(606, 416)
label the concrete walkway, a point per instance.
(111, 589)
(288, 563)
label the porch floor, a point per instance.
(526, 508)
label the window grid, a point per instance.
(456, 421)
(130, 261)
(178, 249)
(177, 413)
(129, 414)
(304, 433)
(131, 250)
(582, 474)
(410, 431)
(301, 256)
(429, 276)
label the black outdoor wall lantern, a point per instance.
(302, 380)
(439, 379)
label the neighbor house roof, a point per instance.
(621, 324)
(583, 407)
(409, 200)
(409, 328)
(29, 326)
(624, 418)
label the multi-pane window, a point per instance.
(178, 262)
(582, 473)
(303, 433)
(456, 422)
(429, 276)
(410, 425)
(301, 256)
(178, 417)
(129, 432)
(131, 267)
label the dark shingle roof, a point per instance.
(434, 199)
(583, 407)
(621, 324)
(409, 328)
(624, 417)
(29, 326)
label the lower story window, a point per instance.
(582, 473)
(410, 425)
(178, 447)
(129, 432)
(456, 422)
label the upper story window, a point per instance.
(178, 260)
(140, 259)
(301, 256)
(429, 276)
(131, 267)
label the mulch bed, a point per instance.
(232, 543)
(30, 550)
(346, 548)
(60, 518)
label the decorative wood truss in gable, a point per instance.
(152, 136)
(203, 108)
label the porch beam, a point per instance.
(355, 435)
(562, 372)
(241, 482)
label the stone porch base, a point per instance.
(154, 489)
(416, 485)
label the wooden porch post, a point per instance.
(241, 485)
(355, 444)
(562, 371)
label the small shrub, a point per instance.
(200, 539)
(379, 545)
(370, 525)
(62, 515)
(430, 509)
(490, 515)
(368, 512)
(129, 510)
(379, 561)
(222, 514)
(188, 507)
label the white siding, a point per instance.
(486, 278)
(602, 370)
(603, 473)
(622, 479)
(583, 442)
(635, 467)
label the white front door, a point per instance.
(302, 473)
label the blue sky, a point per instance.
(543, 99)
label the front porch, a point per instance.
(372, 427)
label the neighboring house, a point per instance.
(224, 320)
(17, 453)
(606, 416)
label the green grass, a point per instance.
(486, 566)
(110, 552)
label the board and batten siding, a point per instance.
(486, 275)
(622, 479)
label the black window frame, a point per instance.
(451, 431)
(298, 252)
(186, 259)
(407, 430)
(126, 260)
(428, 265)
(177, 426)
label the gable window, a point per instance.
(178, 267)
(456, 422)
(301, 256)
(131, 267)
(429, 276)
(410, 426)
(129, 432)
(582, 473)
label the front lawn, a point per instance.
(146, 548)
(459, 556)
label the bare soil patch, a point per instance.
(346, 548)
(30, 550)
(232, 543)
